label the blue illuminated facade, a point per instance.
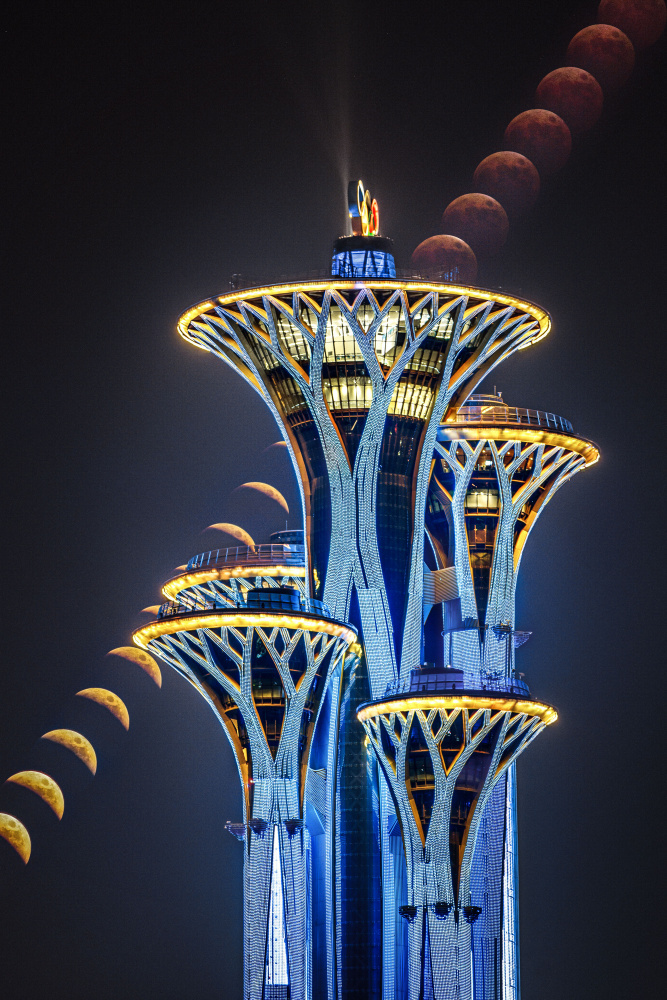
(364, 670)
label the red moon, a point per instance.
(445, 258)
(479, 220)
(511, 179)
(542, 137)
(573, 94)
(604, 52)
(643, 21)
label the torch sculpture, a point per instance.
(263, 667)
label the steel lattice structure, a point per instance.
(264, 674)
(442, 757)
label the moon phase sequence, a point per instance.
(108, 700)
(77, 743)
(15, 834)
(233, 530)
(44, 786)
(142, 659)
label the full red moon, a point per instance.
(511, 179)
(573, 94)
(542, 137)
(445, 258)
(479, 220)
(643, 21)
(604, 52)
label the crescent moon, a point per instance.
(77, 743)
(233, 529)
(152, 609)
(142, 659)
(276, 444)
(44, 786)
(15, 834)
(269, 491)
(108, 700)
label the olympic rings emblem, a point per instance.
(364, 212)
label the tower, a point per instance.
(417, 498)
(447, 741)
(263, 664)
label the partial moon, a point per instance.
(511, 179)
(572, 94)
(152, 609)
(445, 258)
(15, 834)
(141, 658)
(643, 21)
(276, 444)
(44, 786)
(479, 220)
(604, 52)
(542, 137)
(269, 491)
(233, 531)
(108, 700)
(77, 743)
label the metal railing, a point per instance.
(241, 281)
(248, 555)
(510, 415)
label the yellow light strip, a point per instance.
(197, 577)
(515, 432)
(530, 308)
(234, 619)
(448, 702)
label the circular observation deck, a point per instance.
(468, 700)
(412, 283)
(239, 562)
(489, 418)
(262, 616)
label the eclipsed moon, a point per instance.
(643, 21)
(44, 786)
(572, 94)
(511, 179)
(605, 52)
(110, 701)
(142, 659)
(445, 258)
(77, 743)
(542, 137)
(15, 834)
(268, 491)
(233, 530)
(478, 220)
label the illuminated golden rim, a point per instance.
(533, 310)
(197, 577)
(239, 619)
(448, 702)
(516, 432)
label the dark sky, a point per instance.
(150, 152)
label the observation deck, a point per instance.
(239, 562)
(489, 417)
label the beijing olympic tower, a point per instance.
(364, 669)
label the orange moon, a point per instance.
(233, 531)
(445, 258)
(479, 220)
(142, 659)
(44, 786)
(542, 137)
(511, 179)
(152, 609)
(572, 94)
(77, 743)
(108, 700)
(15, 834)
(604, 52)
(643, 21)
(269, 491)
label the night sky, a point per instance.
(150, 152)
